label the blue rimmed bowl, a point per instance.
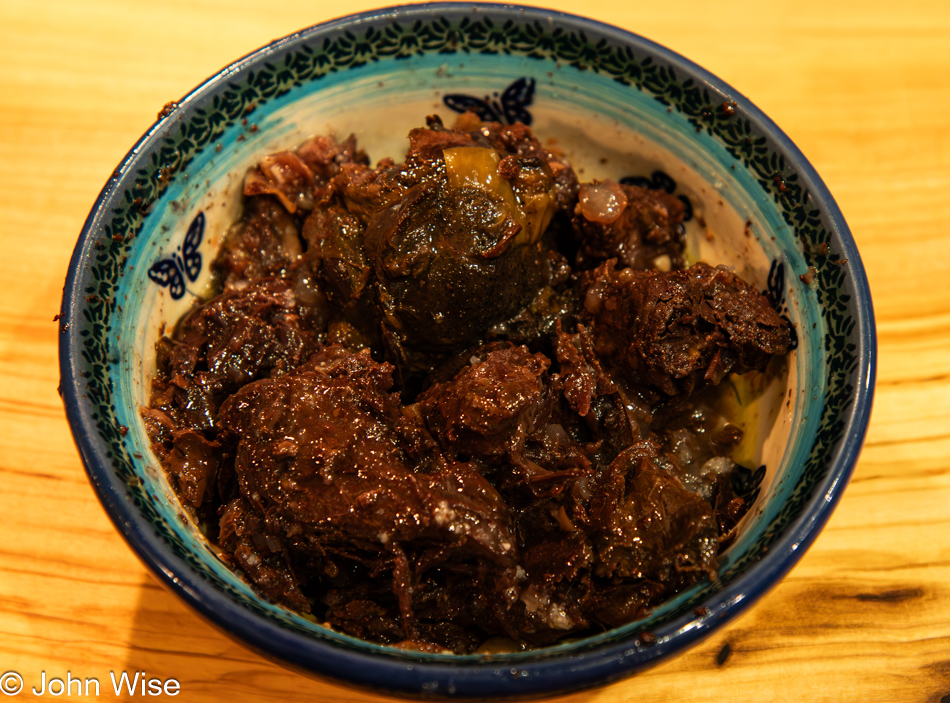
(619, 106)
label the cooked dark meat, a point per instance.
(328, 456)
(648, 525)
(678, 331)
(260, 554)
(460, 250)
(265, 242)
(582, 375)
(237, 337)
(327, 453)
(299, 179)
(415, 410)
(450, 262)
(325, 157)
(650, 535)
(491, 406)
(334, 240)
(642, 228)
(600, 407)
(194, 461)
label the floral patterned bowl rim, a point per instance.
(92, 297)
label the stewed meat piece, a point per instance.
(489, 408)
(641, 227)
(678, 331)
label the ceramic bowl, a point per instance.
(619, 106)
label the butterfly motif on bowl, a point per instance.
(510, 107)
(776, 292)
(185, 262)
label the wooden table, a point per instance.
(862, 87)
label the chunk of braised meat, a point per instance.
(367, 191)
(310, 299)
(366, 609)
(327, 454)
(260, 554)
(453, 608)
(456, 609)
(536, 324)
(453, 260)
(606, 419)
(611, 427)
(325, 156)
(232, 339)
(649, 533)
(285, 176)
(499, 409)
(194, 461)
(560, 449)
(335, 254)
(298, 179)
(458, 225)
(554, 458)
(489, 408)
(518, 139)
(641, 227)
(557, 560)
(335, 245)
(582, 376)
(264, 242)
(677, 331)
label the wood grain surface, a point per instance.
(863, 87)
